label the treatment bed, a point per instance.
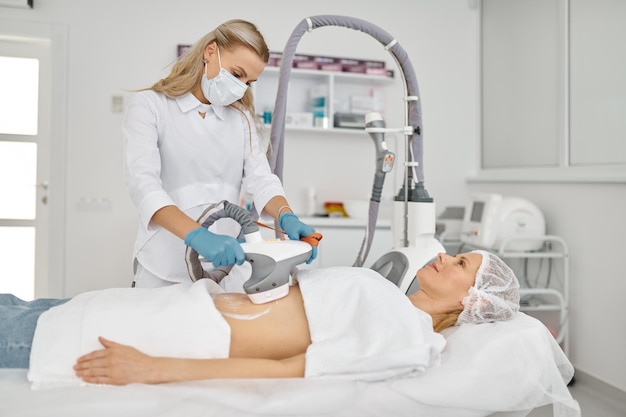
(495, 369)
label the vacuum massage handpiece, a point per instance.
(375, 127)
(271, 260)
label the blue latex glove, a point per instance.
(295, 229)
(221, 250)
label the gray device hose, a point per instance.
(210, 215)
(413, 106)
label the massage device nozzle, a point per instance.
(272, 262)
(375, 127)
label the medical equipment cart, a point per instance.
(552, 297)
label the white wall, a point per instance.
(120, 45)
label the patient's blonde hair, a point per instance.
(444, 321)
(187, 71)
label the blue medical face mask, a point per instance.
(224, 89)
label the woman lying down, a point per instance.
(342, 322)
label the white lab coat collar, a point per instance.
(189, 102)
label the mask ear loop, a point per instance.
(205, 62)
(219, 61)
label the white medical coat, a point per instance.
(175, 157)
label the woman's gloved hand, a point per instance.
(221, 250)
(295, 229)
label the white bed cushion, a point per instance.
(508, 365)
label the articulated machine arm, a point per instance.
(414, 211)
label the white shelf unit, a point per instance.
(341, 88)
(552, 298)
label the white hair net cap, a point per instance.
(495, 294)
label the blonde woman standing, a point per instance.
(191, 139)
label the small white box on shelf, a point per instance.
(304, 119)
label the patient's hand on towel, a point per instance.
(116, 364)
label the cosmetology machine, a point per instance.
(414, 216)
(271, 261)
(495, 222)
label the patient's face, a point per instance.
(449, 278)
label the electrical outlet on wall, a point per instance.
(117, 104)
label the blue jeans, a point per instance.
(18, 320)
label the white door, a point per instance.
(25, 103)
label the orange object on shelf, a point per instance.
(335, 209)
